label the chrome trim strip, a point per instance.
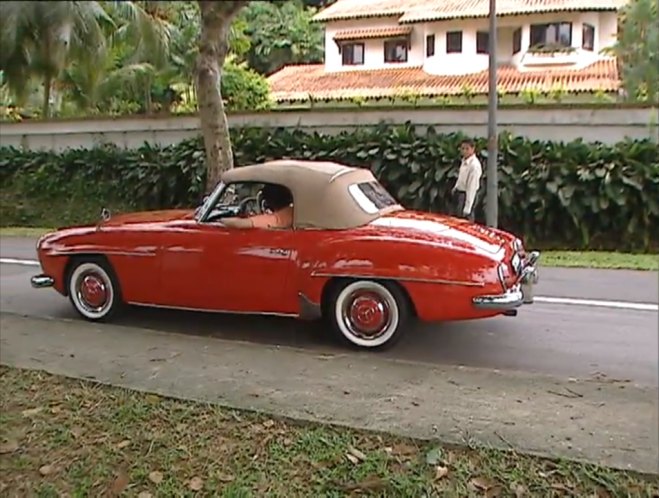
(400, 279)
(339, 173)
(42, 281)
(68, 252)
(206, 310)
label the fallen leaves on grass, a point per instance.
(31, 412)
(185, 449)
(491, 488)
(8, 447)
(440, 472)
(355, 456)
(45, 470)
(196, 484)
(371, 483)
(120, 483)
(156, 477)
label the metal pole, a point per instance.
(492, 198)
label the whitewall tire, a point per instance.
(93, 290)
(368, 314)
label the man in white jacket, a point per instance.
(468, 183)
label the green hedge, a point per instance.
(568, 195)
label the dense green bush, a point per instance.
(553, 194)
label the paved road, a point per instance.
(565, 340)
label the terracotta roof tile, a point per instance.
(363, 34)
(452, 9)
(352, 9)
(300, 82)
(422, 10)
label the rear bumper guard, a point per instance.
(521, 293)
(42, 281)
(511, 299)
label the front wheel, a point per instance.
(368, 314)
(93, 289)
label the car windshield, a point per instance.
(371, 196)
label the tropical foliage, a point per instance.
(115, 57)
(637, 49)
(569, 195)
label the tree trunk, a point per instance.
(47, 85)
(216, 20)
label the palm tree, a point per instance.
(138, 52)
(144, 26)
(39, 38)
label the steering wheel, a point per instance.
(261, 202)
(244, 208)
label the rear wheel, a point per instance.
(368, 314)
(93, 289)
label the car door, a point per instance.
(207, 266)
(250, 270)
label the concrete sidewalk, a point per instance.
(608, 422)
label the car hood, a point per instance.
(147, 217)
(441, 229)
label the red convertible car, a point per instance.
(352, 255)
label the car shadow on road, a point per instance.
(453, 343)
(271, 330)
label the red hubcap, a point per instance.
(368, 313)
(93, 291)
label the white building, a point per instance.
(381, 48)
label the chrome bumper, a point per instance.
(511, 299)
(519, 294)
(41, 281)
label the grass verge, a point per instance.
(66, 437)
(600, 260)
(561, 259)
(31, 232)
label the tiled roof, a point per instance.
(452, 9)
(363, 34)
(352, 9)
(425, 10)
(301, 82)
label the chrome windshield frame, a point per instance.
(203, 211)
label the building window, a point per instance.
(454, 42)
(395, 50)
(482, 42)
(517, 40)
(352, 54)
(588, 33)
(558, 34)
(430, 45)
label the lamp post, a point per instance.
(492, 198)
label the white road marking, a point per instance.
(14, 261)
(625, 305)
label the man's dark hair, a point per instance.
(277, 196)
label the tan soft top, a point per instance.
(320, 191)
